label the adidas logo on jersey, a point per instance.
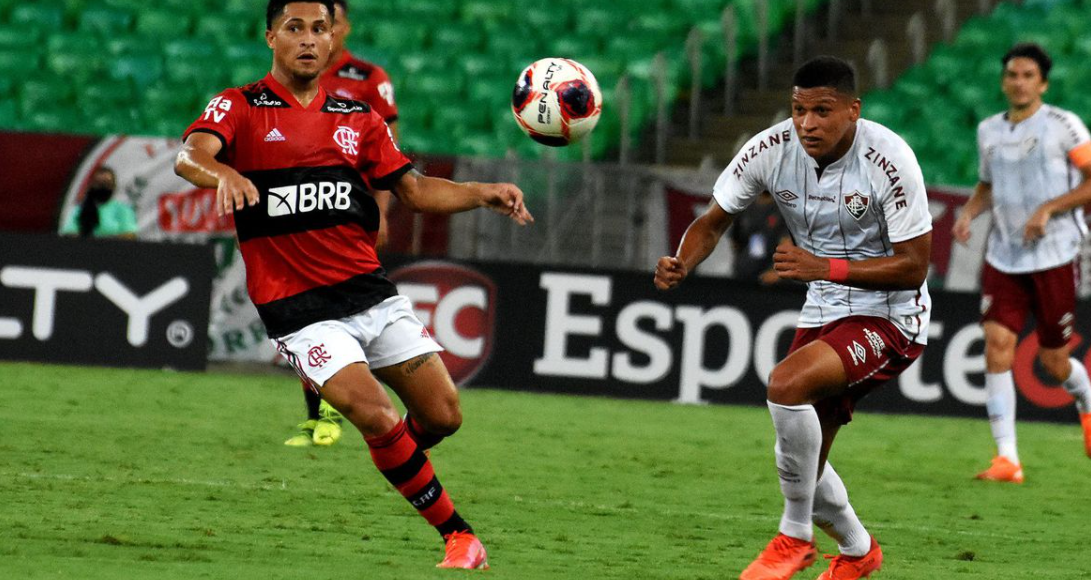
(308, 197)
(275, 135)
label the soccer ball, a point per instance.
(556, 101)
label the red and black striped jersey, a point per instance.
(359, 80)
(309, 244)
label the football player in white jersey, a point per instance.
(1035, 176)
(853, 197)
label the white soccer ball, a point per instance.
(556, 101)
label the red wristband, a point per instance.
(839, 270)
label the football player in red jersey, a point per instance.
(356, 79)
(295, 167)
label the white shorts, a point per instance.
(385, 334)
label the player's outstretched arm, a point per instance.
(981, 200)
(435, 195)
(196, 163)
(905, 270)
(1078, 197)
(697, 244)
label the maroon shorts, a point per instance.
(1050, 295)
(872, 350)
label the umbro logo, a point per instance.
(787, 195)
(275, 135)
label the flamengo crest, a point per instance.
(347, 140)
(857, 204)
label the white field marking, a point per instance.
(174, 481)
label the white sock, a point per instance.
(1079, 386)
(1000, 390)
(834, 514)
(799, 441)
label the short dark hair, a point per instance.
(1033, 52)
(276, 7)
(826, 71)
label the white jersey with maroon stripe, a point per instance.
(1029, 163)
(865, 202)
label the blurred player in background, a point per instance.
(348, 77)
(1035, 176)
(853, 197)
(295, 166)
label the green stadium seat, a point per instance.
(436, 11)
(540, 20)
(138, 45)
(44, 94)
(162, 100)
(141, 69)
(249, 50)
(507, 43)
(7, 86)
(163, 24)
(44, 17)
(486, 11)
(13, 38)
(117, 121)
(75, 66)
(415, 62)
(399, 35)
(55, 120)
(458, 39)
(599, 22)
(9, 114)
(222, 28)
(19, 62)
(196, 71)
(103, 96)
(478, 65)
(431, 84)
(199, 51)
(105, 20)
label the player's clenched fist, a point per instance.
(669, 272)
(794, 263)
(507, 199)
(234, 192)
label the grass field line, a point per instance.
(579, 505)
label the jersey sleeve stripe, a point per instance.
(223, 141)
(1081, 155)
(388, 181)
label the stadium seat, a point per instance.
(163, 24)
(44, 94)
(141, 69)
(222, 28)
(137, 45)
(31, 16)
(18, 62)
(9, 114)
(458, 39)
(105, 21)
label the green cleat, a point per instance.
(326, 432)
(326, 411)
(305, 437)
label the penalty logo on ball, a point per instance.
(556, 101)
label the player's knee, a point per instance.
(443, 419)
(786, 388)
(372, 420)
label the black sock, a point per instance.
(424, 439)
(454, 524)
(313, 401)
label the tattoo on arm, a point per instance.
(412, 365)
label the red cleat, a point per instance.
(1003, 469)
(464, 551)
(1085, 421)
(851, 568)
(781, 559)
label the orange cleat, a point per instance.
(850, 567)
(1085, 421)
(464, 551)
(781, 559)
(1002, 469)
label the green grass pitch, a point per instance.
(122, 474)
